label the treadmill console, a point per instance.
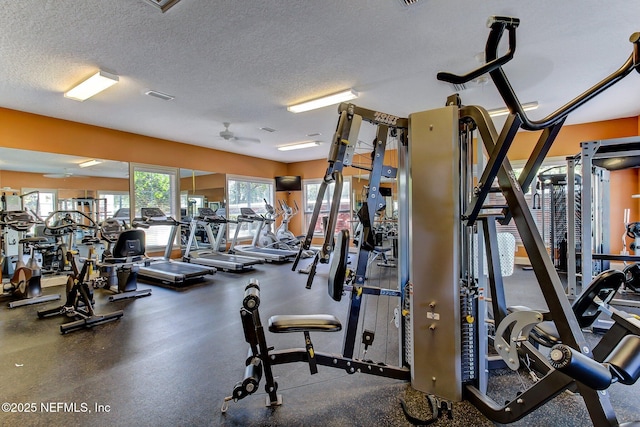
(152, 213)
(208, 214)
(248, 212)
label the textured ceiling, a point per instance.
(245, 61)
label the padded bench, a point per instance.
(302, 323)
(305, 324)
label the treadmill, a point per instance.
(248, 215)
(212, 256)
(166, 270)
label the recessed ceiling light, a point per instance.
(267, 129)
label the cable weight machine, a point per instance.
(450, 292)
(443, 334)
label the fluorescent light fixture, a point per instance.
(504, 111)
(92, 86)
(336, 98)
(89, 163)
(298, 146)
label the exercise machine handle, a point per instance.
(497, 24)
(494, 68)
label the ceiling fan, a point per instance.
(227, 135)
(65, 174)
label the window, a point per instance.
(116, 200)
(41, 201)
(247, 192)
(540, 202)
(154, 187)
(310, 194)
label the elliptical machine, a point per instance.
(283, 234)
(283, 238)
(25, 284)
(267, 238)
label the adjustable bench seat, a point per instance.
(305, 322)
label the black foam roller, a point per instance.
(251, 300)
(625, 359)
(580, 367)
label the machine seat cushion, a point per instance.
(304, 322)
(338, 268)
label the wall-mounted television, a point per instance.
(385, 191)
(288, 183)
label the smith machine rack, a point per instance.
(443, 333)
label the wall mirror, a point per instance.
(200, 189)
(59, 181)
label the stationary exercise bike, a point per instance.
(24, 287)
(79, 289)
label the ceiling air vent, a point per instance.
(163, 5)
(160, 95)
(408, 3)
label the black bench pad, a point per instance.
(305, 322)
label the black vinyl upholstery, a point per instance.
(130, 246)
(338, 268)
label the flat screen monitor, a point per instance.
(385, 191)
(288, 183)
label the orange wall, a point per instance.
(210, 186)
(623, 184)
(203, 183)
(33, 132)
(570, 137)
(314, 169)
(568, 143)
